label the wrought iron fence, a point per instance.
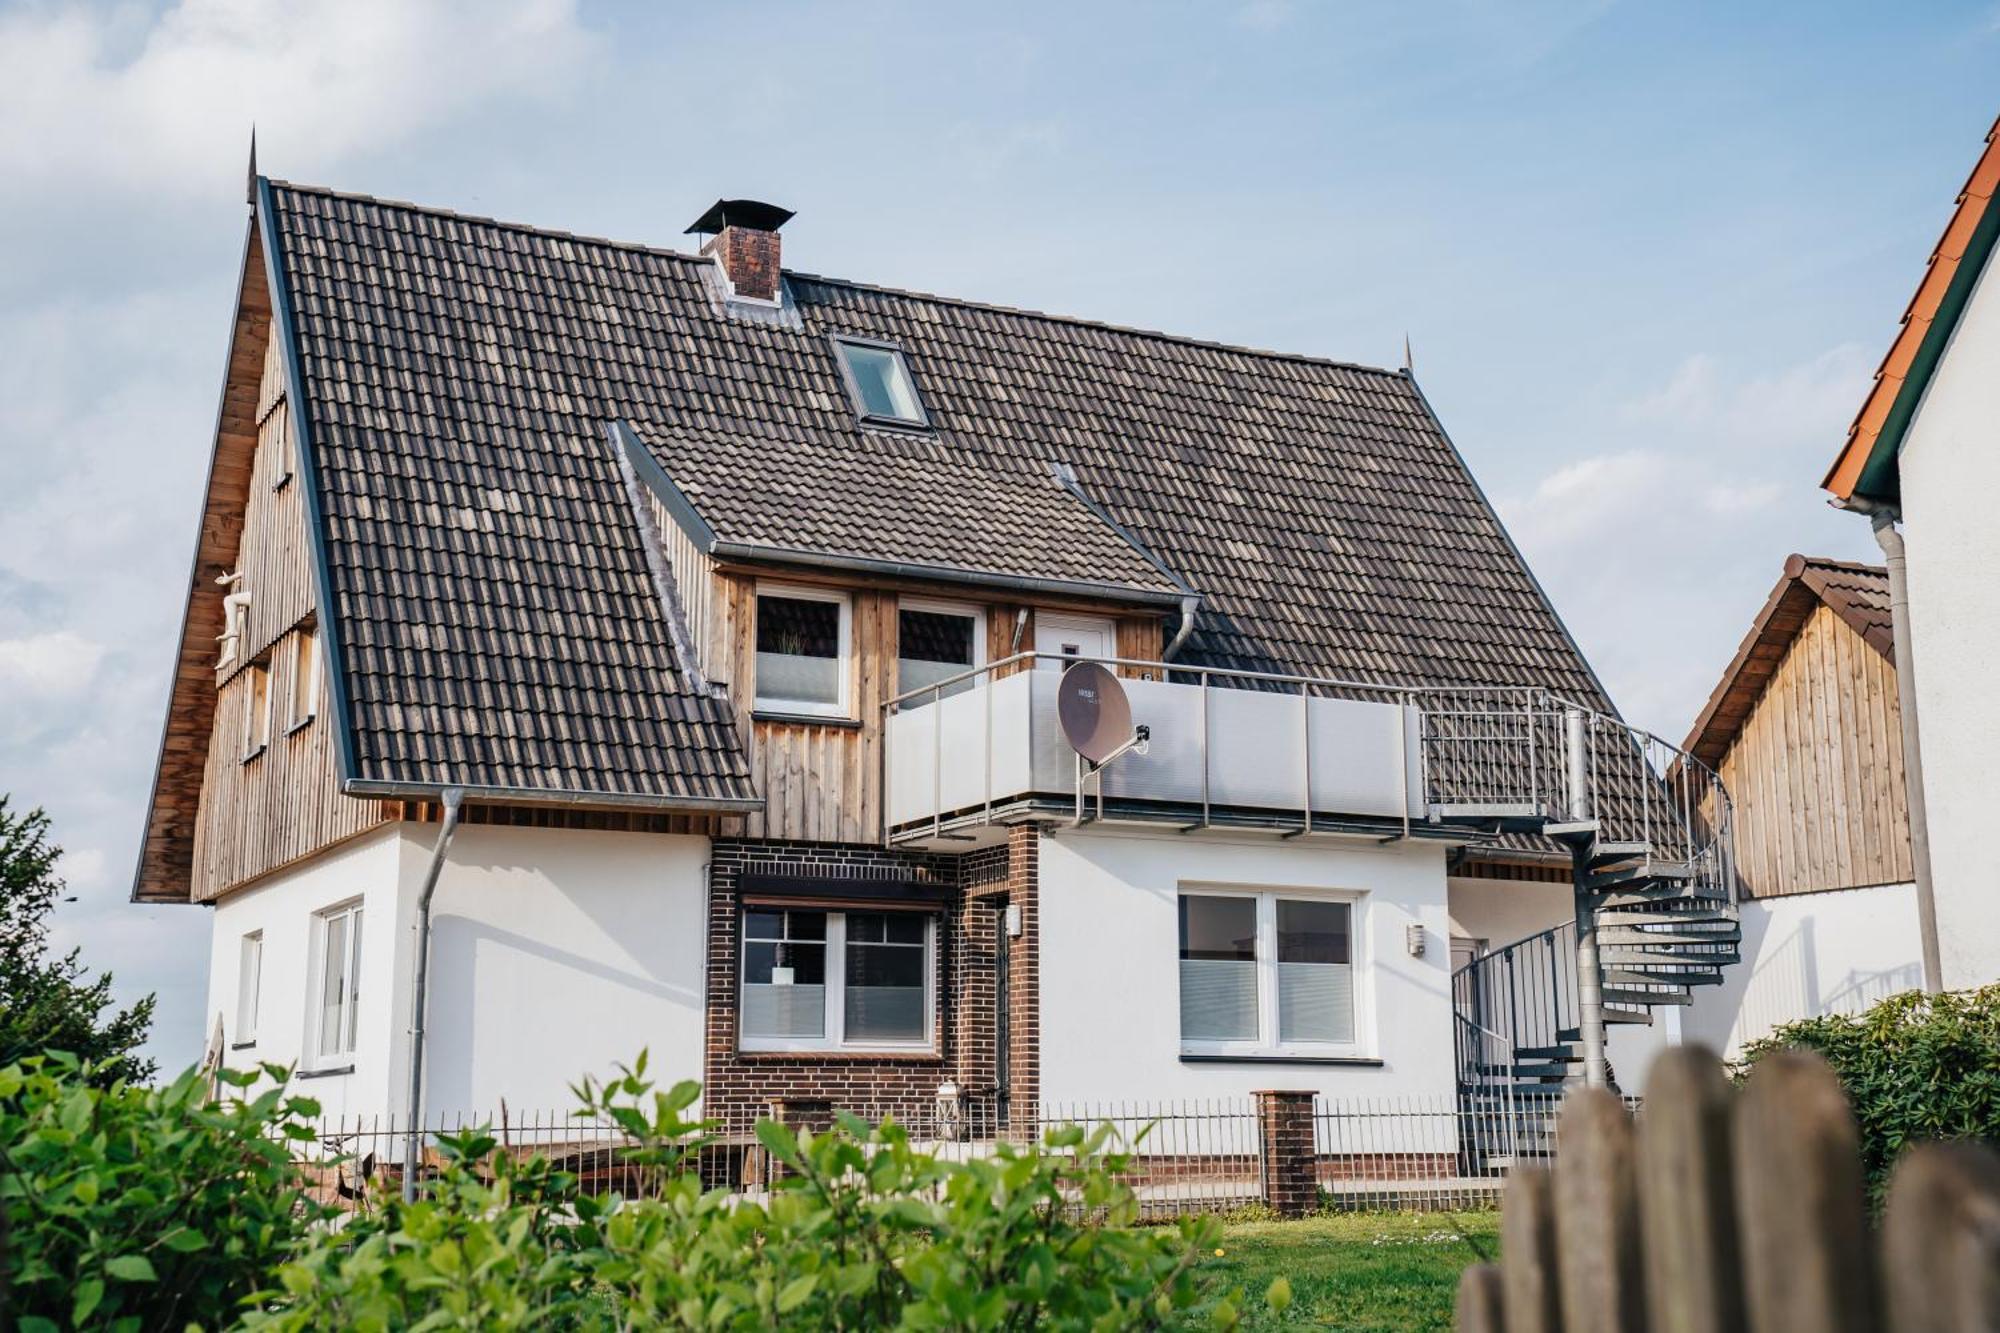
(1183, 1157)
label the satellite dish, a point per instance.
(1096, 716)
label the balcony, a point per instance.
(1239, 749)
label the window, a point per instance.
(337, 982)
(249, 979)
(305, 679)
(802, 651)
(935, 641)
(256, 709)
(818, 980)
(1267, 973)
(878, 380)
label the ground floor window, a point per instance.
(337, 983)
(1267, 973)
(821, 980)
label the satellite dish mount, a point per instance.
(1096, 720)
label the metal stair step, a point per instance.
(1663, 916)
(1526, 1071)
(1544, 1053)
(1656, 895)
(1609, 853)
(1643, 957)
(1680, 935)
(1639, 872)
(1569, 828)
(1638, 1017)
(1659, 976)
(1621, 995)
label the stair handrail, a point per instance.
(1520, 992)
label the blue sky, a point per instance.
(1647, 257)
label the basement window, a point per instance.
(803, 639)
(879, 383)
(821, 981)
(936, 641)
(1266, 974)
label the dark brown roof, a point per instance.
(1858, 594)
(488, 575)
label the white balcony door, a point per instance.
(1073, 636)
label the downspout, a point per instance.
(454, 801)
(1189, 605)
(1883, 520)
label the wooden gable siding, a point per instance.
(694, 587)
(258, 815)
(822, 782)
(1816, 772)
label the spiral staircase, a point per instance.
(1647, 827)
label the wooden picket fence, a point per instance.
(1720, 1210)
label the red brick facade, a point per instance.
(740, 1085)
(750, 258)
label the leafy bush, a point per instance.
(139, 1207)
(49, 1003)
(1915, 1067)
(862, 1231)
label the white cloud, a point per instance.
(44, 667)
(87, 96)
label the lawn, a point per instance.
(1356, 1270)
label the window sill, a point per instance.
(805, 719)
(331, 1071)
(282, 482)
(250, 1045)
(1276, 1058)
(300, 725)
(846, 1055)
(898, 425)
(255, 753)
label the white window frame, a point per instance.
(256, 721)
(1267, 1046)
(1056, 621)
(843, 341)
(305, 666)
(835, 1038)
(343, 1055)
(806, 592)
(976, 612)
(249, 987)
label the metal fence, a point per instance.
(1215, 1155)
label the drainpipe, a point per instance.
(454, 801)
(1189, 605)
(1883, 520)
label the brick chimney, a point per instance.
(743, 237)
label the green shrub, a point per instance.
(1914, 1066)
(862, 1231)
(141, 1207)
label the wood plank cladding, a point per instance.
(1816, 771)
(167, 853)
(261, 813)
(822, 781)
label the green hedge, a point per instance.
(1915, 1067)
(143, 1208)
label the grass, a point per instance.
(1355, 1270)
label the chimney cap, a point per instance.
(749, 213)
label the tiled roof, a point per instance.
(1858, 594)
(1899, 381)
(460, 374)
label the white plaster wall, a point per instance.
(1809, 954)
(1951, 506)
(1110, 978)
(556, 953)
(283, 906)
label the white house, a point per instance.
(593, 647)
(1924, 452)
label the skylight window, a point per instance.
(878, 380)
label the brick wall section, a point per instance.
(750, 258)
(1291, 1173)
(742, 1085)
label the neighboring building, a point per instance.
(1925, 450)
(639, 549)
(1804, 729)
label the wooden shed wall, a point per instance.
(1816, 772)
